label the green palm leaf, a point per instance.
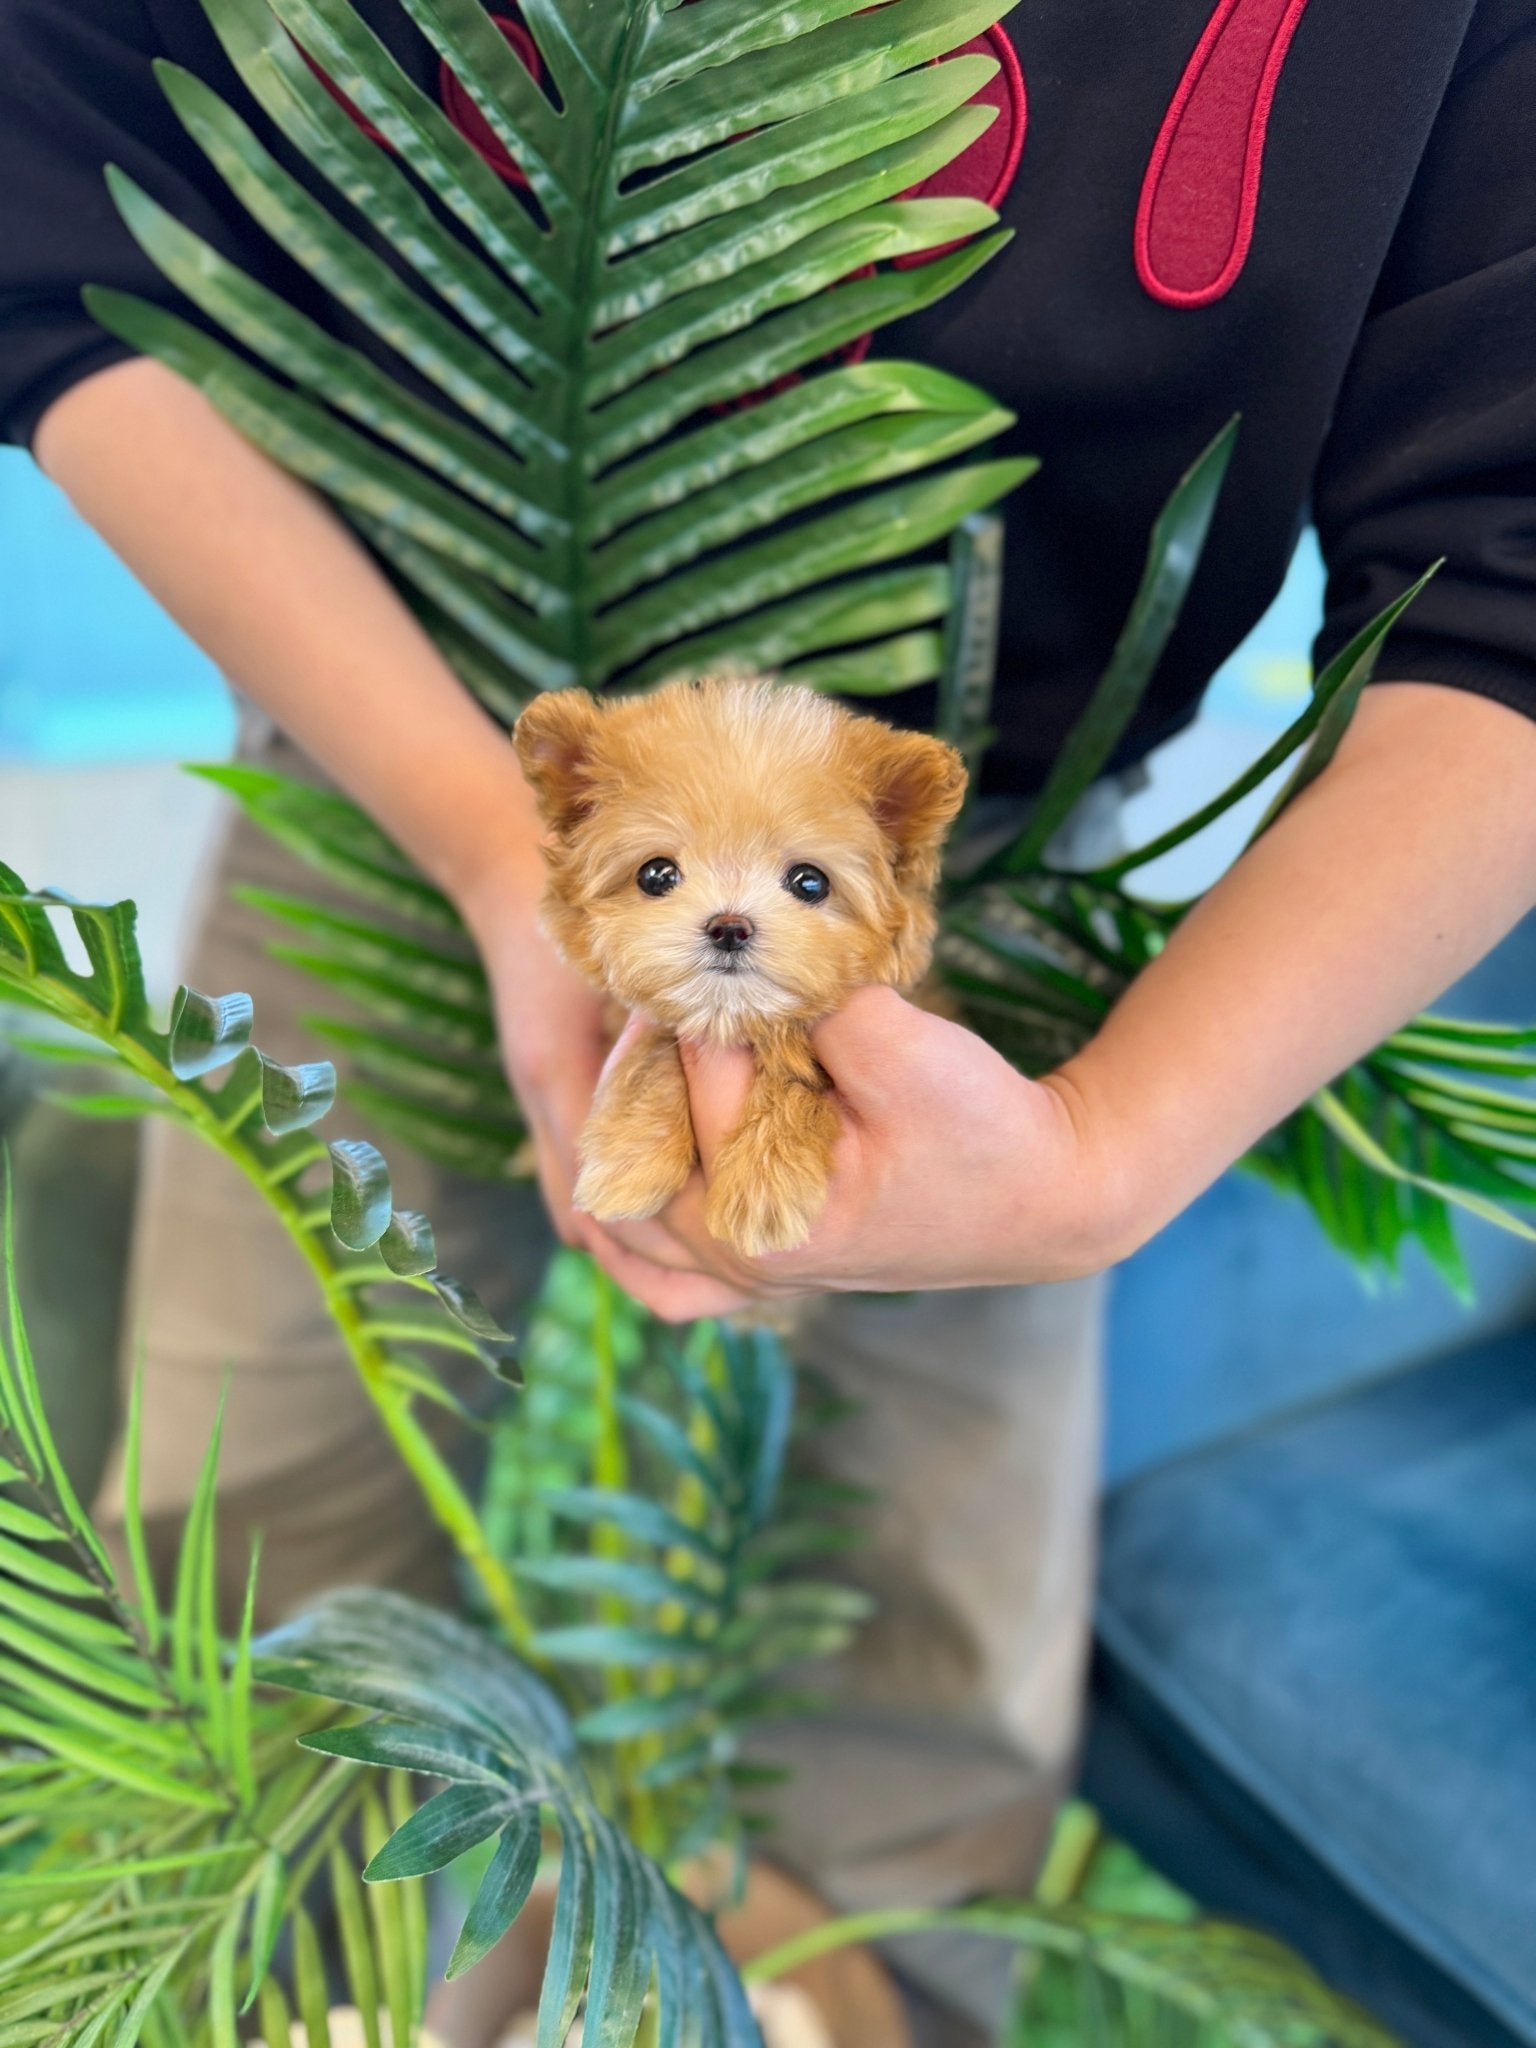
(1173, 556)
(694, 1592)
(158, 1828)
(707, 194)
(261, 1113)
(641, 1495)
(1135, 1976)
(454, 1704)
(334, 1201)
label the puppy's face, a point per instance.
(726, 853)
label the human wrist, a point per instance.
(1112, 1213)
(482, 847)
(498, 886)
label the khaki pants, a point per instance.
(976, 1422)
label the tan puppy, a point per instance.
(731, 858)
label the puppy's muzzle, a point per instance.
(729, 932)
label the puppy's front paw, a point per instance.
(620, 1183)
(637, 1149)
(763, 1201)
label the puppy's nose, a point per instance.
(728, 931)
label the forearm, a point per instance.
(1393, 873)
(269, 582)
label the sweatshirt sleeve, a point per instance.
(1432, 452)
(77, 92)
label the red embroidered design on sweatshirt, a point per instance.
(466, 116)
(458, 104)
(985, 171)
(1194, 226)
(988, 168)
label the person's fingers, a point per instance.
(651, 1238)
(719, 1082)
(646, 1247)
(565, 1220)
(680, 1240)
(675, 1297)
(556, 1113)
(684, 1219)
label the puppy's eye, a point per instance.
(807, 884)
(659, 877)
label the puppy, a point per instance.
(731, 858)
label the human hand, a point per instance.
(554, 1037)
(951, 1170)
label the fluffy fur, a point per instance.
(736, 782)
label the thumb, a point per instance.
(867, 1045)
(719, 1082)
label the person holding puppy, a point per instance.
(1213, 213)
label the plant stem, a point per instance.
(1037, 1926)
(610, 1465)
(1072, 1855)
(450, 1504)
(610, 1470)
(831, 1936)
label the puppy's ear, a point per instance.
(554, 738)
(916, 787)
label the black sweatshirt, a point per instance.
(1320, 213)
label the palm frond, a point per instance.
(334, 1200)
(159, 1832)
(1139, 1989)
(548, 1440)
(696, 1592)
(715, 205)
(1231, 1984)
(968, 678)
(1222, 1985)
(158, 1826)
(641, 1493)
(454, 1706)
(1173, 557)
